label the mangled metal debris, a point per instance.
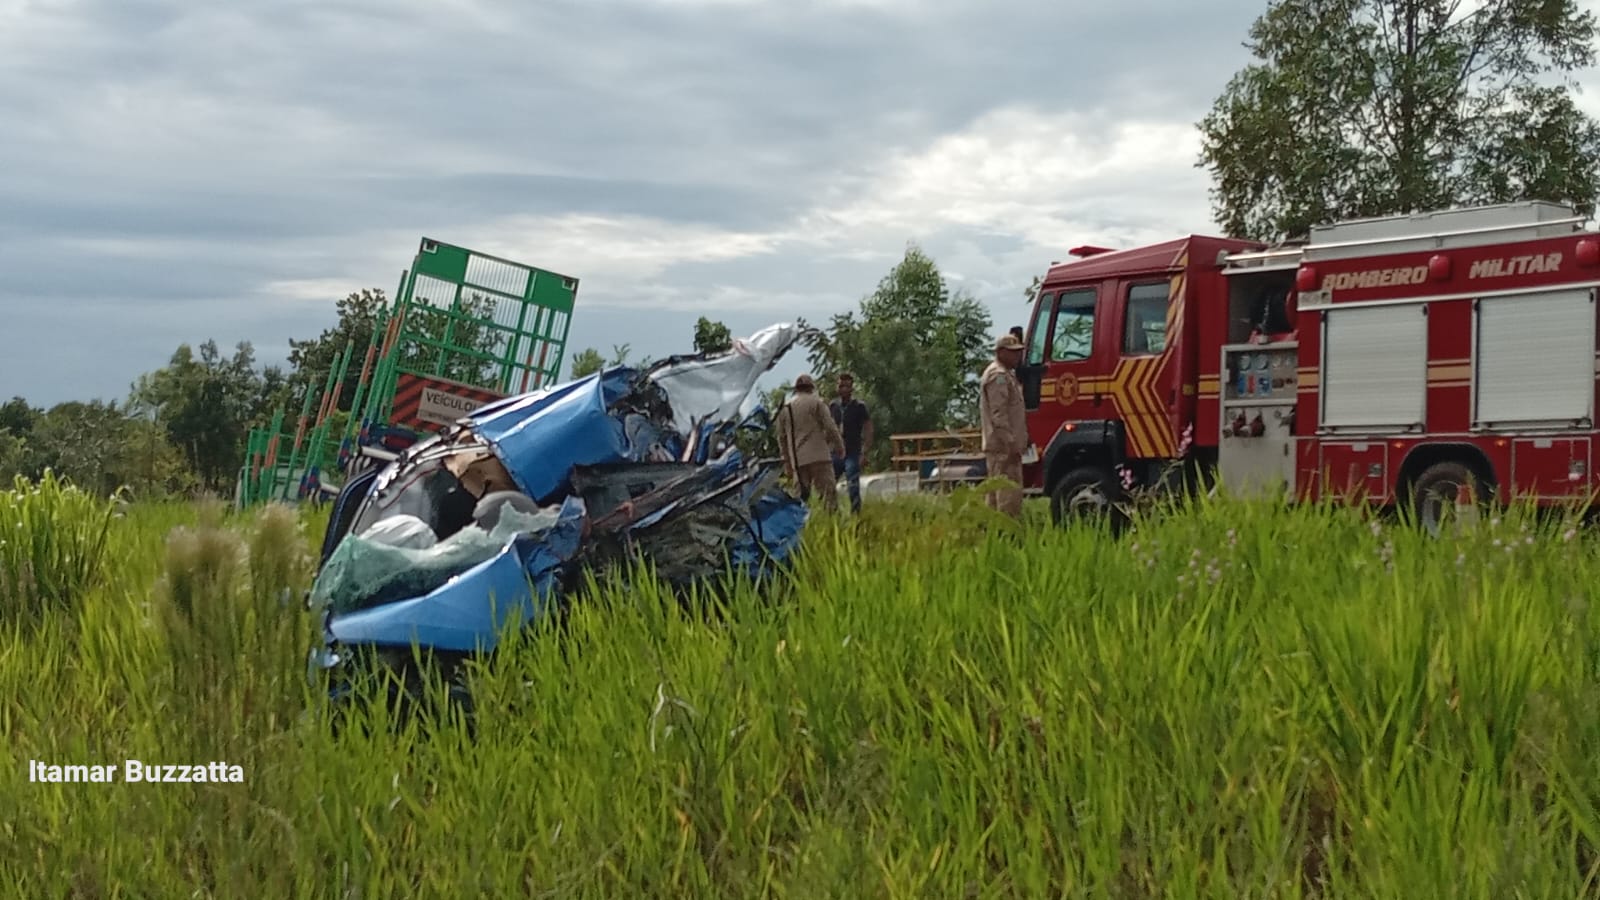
(497, 517)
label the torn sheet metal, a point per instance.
(714, 390)
(486, 522)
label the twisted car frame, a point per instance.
(495, 522)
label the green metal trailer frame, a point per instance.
(473, 319)
(463, 322)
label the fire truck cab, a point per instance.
(1418, 361)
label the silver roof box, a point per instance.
(1464, 227)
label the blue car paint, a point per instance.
(541, 436)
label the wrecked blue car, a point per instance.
(494, 521)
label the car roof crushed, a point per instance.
(497, 516)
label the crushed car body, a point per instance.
(495, 519)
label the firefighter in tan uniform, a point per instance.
(808, 440)
(1005, 425)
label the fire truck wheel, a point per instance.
(1087, 495)
(1437, 494)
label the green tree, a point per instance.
(206, 404)
(15, 458)
(915, 349)
(18, 455)
(711, 337)
(1376, 107)
(468, 325)
(102, 448)
(764, 443)
(361, 313)
(18, 417)
(82, 443)
(310, 361)
(1033, 289)
(586, 362)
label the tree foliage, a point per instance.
(1375, 107)
(98, 446)
(711, 337)
(311, 361)
(185, 425)
(467, 328)
(360, 315)
(206, 404)
(916, 350)
(588, 361)
(18, 456)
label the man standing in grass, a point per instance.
(1005, 425)
(806, 434)
(855, 422)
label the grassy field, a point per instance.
(1235, 701)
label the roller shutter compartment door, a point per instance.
(1375, 367)
(1535, 361)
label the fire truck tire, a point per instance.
(1433, 494)
(1088, 495)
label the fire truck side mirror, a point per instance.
(1032, 378)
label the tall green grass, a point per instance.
(1233, 701)
(52, 545)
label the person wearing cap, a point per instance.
(808, 441)
(1005, 425)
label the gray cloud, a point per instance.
(176, 171)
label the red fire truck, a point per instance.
(1419, 361)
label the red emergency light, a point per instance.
(1588, 252)
(1439, 267)
(1306, 278)
(1089, 250)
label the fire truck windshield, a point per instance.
(1074, 327)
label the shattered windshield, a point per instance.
(441, 489)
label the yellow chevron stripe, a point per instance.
(1158, 424)
(1143, 376)
(1139, 400)
(1137, 444)
(1150, 432)
(1132, 385)
(1180, 310)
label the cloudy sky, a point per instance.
(174, 171)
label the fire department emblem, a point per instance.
(1067, 389)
